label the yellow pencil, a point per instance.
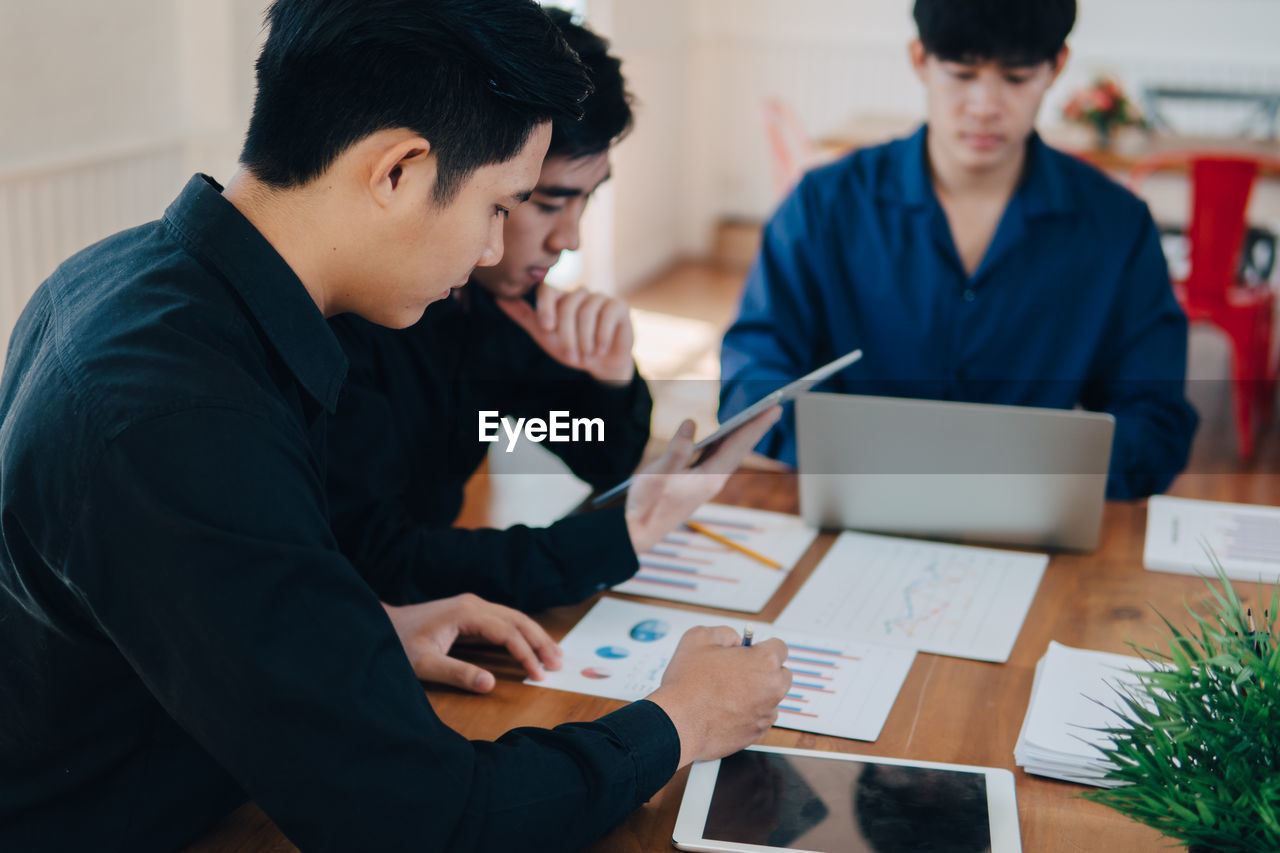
(729, 543)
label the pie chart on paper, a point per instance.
(649, 631)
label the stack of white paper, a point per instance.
(1071, 701)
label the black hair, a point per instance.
(1012, 32)
(472, 77)
(606, 113)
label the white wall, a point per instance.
(646, 193)
(79, 77)
(82, 80)
(106, 109)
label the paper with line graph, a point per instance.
(688, 566)
(947, 599)
(621, 648)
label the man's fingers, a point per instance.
(588, 324)
(775, 647)
(614, 318)
(730, 452)
(723, 635)
(456, 673)
(548, 298)
(719, 635)
(679, 451)
(524, 316)
(545, 648)
(520, 635)
(566, 323)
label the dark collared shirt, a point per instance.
(404, 441)
(178, 629)
(1071, 305)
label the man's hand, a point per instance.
(427, 632)
(668, 491)
(580, 329)
(720, 695)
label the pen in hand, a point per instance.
(747, 633)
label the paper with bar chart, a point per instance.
(947, 599)
(621, 648)
(1181, 533)
(690, 566)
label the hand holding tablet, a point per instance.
(781, 395)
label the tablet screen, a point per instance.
(807, 803)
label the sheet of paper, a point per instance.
(947, 599)
(621, 648)
(1244, 537)
(688, 566)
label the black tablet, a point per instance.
(776, 799)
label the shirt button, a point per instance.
(969, 295)
(961, 373)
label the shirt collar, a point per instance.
(216, 232)
(1043, 191)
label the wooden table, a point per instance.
(949, 709)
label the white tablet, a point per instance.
(787, 392)
(769, 798)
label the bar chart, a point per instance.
(840, 688)
(1185, 536)
(694, 566)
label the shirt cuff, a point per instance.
(651, 738)
(598, 545)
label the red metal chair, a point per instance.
(791, 151)
(1221, 183)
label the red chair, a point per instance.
(791, 151)
(1221, 183)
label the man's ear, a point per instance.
(916, 53)
(1059, 62)
(400, 165)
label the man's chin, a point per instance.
(509, 290)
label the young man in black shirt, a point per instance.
(405, 438)
(179, 629)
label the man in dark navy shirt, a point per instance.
(508, 343)
(972, 262)
(178, 630)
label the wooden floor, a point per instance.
(707, 293)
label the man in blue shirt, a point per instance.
(972, 262)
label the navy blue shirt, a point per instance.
(1071, 305)
(178, 630)
(404, 442)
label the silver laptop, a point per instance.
(1010, 475)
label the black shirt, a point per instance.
(405, 439)
(178, 629)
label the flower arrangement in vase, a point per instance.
(1105, 107)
